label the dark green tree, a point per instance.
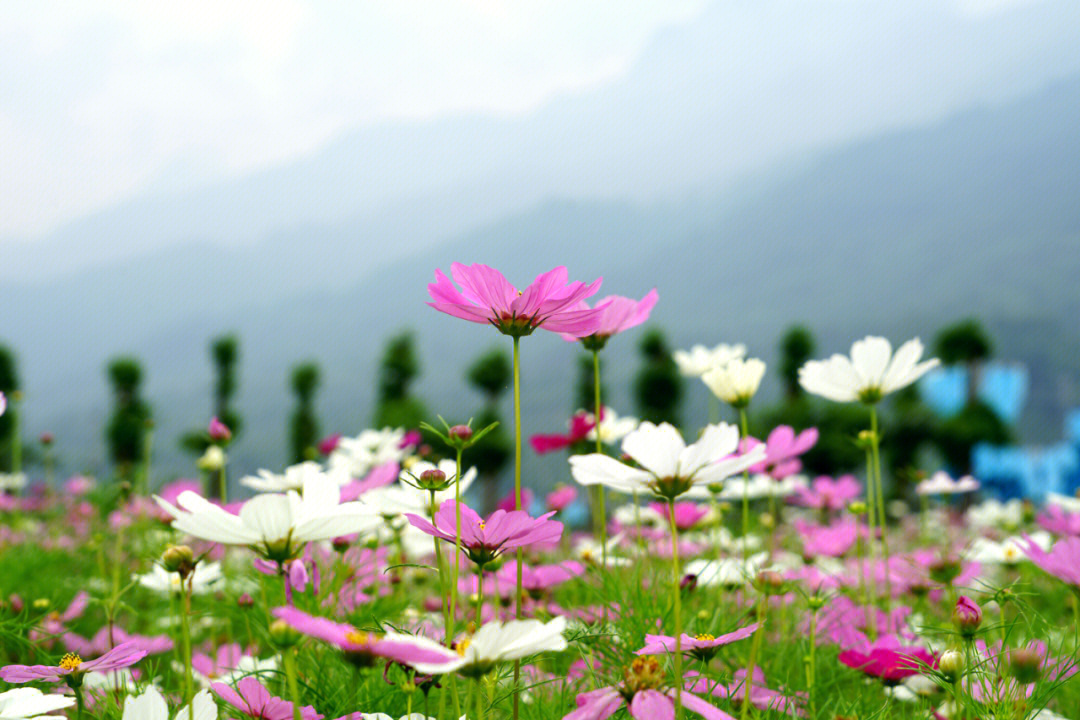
(9, 425)
(126, 431)
(490, 374)
(399, 368)
(304, 426)
(965, 343)
(911, 427)
(225, 352)
(796, 347)
(658, 387)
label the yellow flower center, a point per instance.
(357, 637)
(462, 645)
(482, 525)
(71, 661)
(704, 637)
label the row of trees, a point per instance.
(658, 390)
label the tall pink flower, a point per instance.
(121, 656)
(486, 297)
(782, 450)
(484, 540)
(256, 701)
(618, 313)
(824, 493)
(1063, 560)
(702, 647)
(581, 424)
(888, 659)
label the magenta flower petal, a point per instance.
(652, 705)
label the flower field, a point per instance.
(715, 578)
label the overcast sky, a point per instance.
(101, 100)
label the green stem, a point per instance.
(223, 479)
(875, 445)
(457, 542)
(517, 505)
(290, 677)
(811, 669)
(676, 601)
(763, 606)
(601, 512)
(185, 634)
(80, 704)
(480, 595)
(871, 597)
(745, 427)
(16, 441)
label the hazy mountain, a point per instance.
(898, 235)
(745, 85)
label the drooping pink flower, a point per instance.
(1063, 560)
(121, 656)
(581, 424)
(702, 647)
(782, 450)
(967, 616)
(218, 431)
(362, 648)
(484, 540)
(559, 498)
(618, 313)
(888, 659)
(486, 297)
(824, 493)
(251, 698)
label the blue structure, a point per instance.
(1004, 387)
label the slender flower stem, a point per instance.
(517, 505)
(185, 636)
(763, 606)
(875, 447)
(290, 677)
(80, 704)
(870, 598)
(811, 670)
(16, 441)
(480, 596)
(676, 601)
(601, 512)
(744, 424)
(457, 541)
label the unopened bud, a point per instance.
(716, 488)
(770, 582)
(212, 460)
(815, 602)
(178, 559)
(47, 439)
(767, 521)
(967, 616)
(218, 431)
(282, 634)
(462, 433)
(245, 601)
(1025, 665)
(433, 479)
(951, 665)
(341, 543)
(857, 508)
(41, 604)
(688, 583)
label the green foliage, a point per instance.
(225, 352)
(9, 384)
(658, 387)
(796, 347)
(963, 342)
(491, 373)
(304, 426)
(126, 430)
(398, 369)
(957, 435)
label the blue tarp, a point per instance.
(1004, 387)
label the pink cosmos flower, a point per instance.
(761, 696)
(824, 493)
(78, 485)
(581, 424)
(226, 658)
(687, 514)
(486, 297)
(509, 502)
(255, 700)
(829, 540)
(103, 640)
(484, 540)
(121, 656)
(561, 497)
(618, 313)
(1058, 521)
(1063, 560)
(888, 659)
(782, 450)
(329, 443)
(645, 696)
(361, 648)
(54, 624)
(703, 647)
(541, 578)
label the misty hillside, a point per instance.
(896, 235)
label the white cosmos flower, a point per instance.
(293, 478)
(12, 481)
(871, 372)
(628, 515)
(1067, 503)
(727, 572)
(612, 427)
(668, 467)
(275, 525)
(588, 550)
(246, 665)
(762, 486)
(151, 706)
(203, 579)
(941, 484)
(993, 513)
(701, 359)
(358, 456)
(735, 382)
(498, 642)
(27, 703)
(1009, 551)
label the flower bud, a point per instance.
(688, 583)
(715, 488)
(945, 569)
(857, 508)
(967, 616)
(433, 479)
(341, 543)
(815, 602)
(41, 604)
(461, 433)
(212, 460)
(767, 521)
(47, 439)
(245, 601)
(770, 582)
(951, 665)
(178, 559)
(282, 634)
(1025, 665)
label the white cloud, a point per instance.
(102, 98)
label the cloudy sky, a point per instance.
(102, 101)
